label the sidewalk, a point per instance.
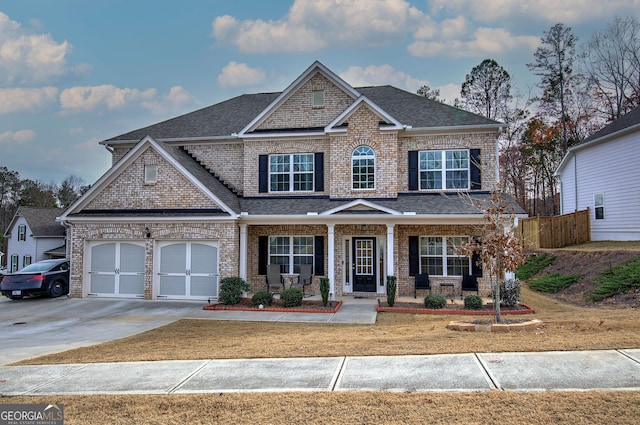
(579, 370)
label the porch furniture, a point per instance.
(450, 289)
(469, 283)
(305, 278)
(421, 282)
(274, 277)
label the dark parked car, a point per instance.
(47, 277)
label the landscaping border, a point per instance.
(418, 310)
(219, 307)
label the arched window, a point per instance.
(363, 168)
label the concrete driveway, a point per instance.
(36, 326)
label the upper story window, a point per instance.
(363, 166)
(318, 98)
(26, 260)
(150, 174)
(22, 232)
(438, 256)
(444, 170)
(598, 199)
(291, 172)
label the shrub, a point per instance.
(553, 282)
(324, 290)
(533, 265)
(231, 289)
(473, 302)
(391, 290)
(291, 297)
(616, 280)
(262, 297)
(435, 301)
(509, 292)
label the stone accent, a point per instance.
(171, 190)
(298, 112)
(225, 234)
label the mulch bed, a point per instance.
(308, 306)
(418, 308)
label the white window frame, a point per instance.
(150, 174)
(22, 232)
(293, 170)
(359, 155)
(26, 260)
(598, 205)
(290, 265)
(317, 98)
(443, 169)
(13, 263)
(447, 248)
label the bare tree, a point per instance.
(487, 90)
(429, 93)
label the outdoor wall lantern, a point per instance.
(147, 233)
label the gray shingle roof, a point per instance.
(627, 120)
(231, 116)
(42, 221)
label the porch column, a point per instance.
(330, 259)
(243, 251)
(390, 266)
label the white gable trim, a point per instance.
(364, 203)
(289, 91)
(125, 162)
(397, 125)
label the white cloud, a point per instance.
(552, 11)
(26, 99)
(240, 75)
(374, 75)
(106, 96)
(21, 136)
(175, 100)
(27, 58)
(312, 25)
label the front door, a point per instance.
(364, 264)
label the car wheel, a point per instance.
(56, 289)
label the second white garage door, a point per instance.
(188, 270)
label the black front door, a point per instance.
(364, 264)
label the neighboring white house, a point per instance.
(34, 235)
(600, 174)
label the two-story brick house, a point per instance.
(361, 183)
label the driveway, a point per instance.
(37, 326)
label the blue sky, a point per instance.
(76, 72)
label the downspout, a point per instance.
(575, 181)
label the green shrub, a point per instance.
(473, 302)
(231, 289)
(533, 265)
(262, 297)
(435, 301)
(617, 280)
(553, 282)
(391, 290)
(324, 290)
(291, 297)
(509, 292)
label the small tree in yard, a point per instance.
(498, 249)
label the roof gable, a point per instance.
(361, 206)
(181, 162)
(363, 101)
(41, 221)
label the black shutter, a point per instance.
(414, 255)
(476, 262)
(476, 172)
(263, 174)
(318, 254)
(413, 170)
(319, 171)
(263, 254)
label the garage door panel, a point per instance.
(173, 258)
(172, 286)
(188, 270)
(131, 258)
(204, 286)
(131, 285)
(103, 284)
(203, 258)
(103, 258)
(117, 269)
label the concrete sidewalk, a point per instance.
(579, 370)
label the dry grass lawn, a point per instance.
(566, 327)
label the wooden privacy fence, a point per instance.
(554, 232)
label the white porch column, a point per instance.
(243, 251)
(331, 259)
(390, 265)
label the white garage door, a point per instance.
(188, 270)
(116, 269)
